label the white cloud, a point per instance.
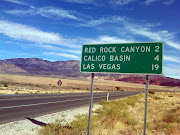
(166, 2)
(79, 1)
(169, 2)
(170, 51)
(62, 54)
(17, 12)
(17, 2)
(27, 33)
(52, 47)
(173, 44)
(74, 51)
(163, 35)
(50, 12)
(109, 39)
(153, 25)
(101, 2)
(172, 59)
(145, 31)
(121, 2)
(104, 39)
(113, 19)
(45, 46)
(148, 2)
(172, 70)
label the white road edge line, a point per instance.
(46, 103)
(53, 102)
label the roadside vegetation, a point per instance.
(126, 116)
(24, 84)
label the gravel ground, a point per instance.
(25, 127)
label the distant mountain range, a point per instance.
(71, 68)
(36, 66)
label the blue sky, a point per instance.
(56, 29)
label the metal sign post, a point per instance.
(107, 96)
(90, 105)
(59, 86)
(146, 99)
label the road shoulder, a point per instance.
(25, 127)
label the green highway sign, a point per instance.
(125, 58)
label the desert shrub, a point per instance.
(106, 117)
(117, 110)
(80, 122)
(97, 88)
(172, 116)
(151, 92)
(132, 100)
(155, 97)
(5, 85)
(68, 129)
(117, 88)
(170, 121)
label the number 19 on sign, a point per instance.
(155, 66)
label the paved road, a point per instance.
(16, 107)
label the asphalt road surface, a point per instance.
(17, 107)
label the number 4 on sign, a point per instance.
(156, 58)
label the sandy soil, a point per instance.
(19, 84)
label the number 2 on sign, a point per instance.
(155, 66)
(156, 48)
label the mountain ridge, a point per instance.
(71, 68)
